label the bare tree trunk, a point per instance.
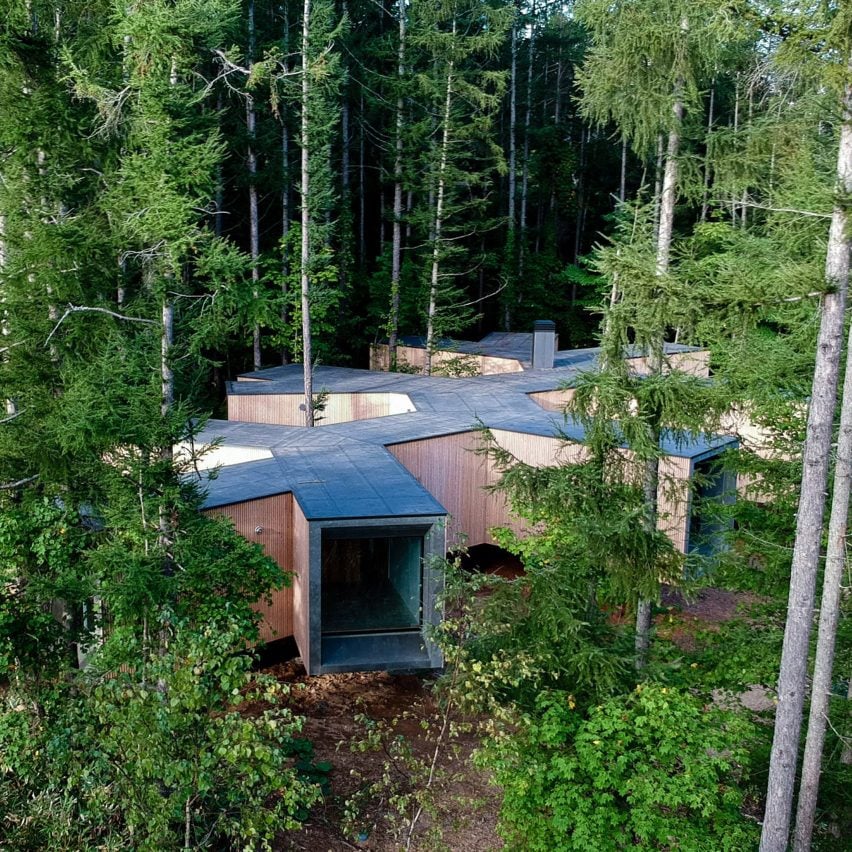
(792, 677)
(829, 613)
(307, 353)
(285, 193)
(439, 219)
(11, 407)
(658, 185)
(736, 128)
(167, 338)
(650, 485)
(513, 163)
(622, 186)
(362, 203)
(706, 191)
(525, 171)
(396, 250)
(254, 228)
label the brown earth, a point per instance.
(462, 806)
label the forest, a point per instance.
(194, 189)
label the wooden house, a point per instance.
(360, 507)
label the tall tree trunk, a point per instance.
(396, 250)
(736, 128)
(11, 408)
(285, 194)
(307, 353)
(658, 184)
(254, 227)
(792, 677)
(706, 190)
(439, 218)
(525, 171)
(650, 484)
(362, 194)
(513, 166)
(829, 613)
(622, 184)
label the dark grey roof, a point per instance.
(344, 470)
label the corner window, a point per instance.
(371, 584)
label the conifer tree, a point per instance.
(666, 50)
(462, 97)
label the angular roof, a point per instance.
(343, 470)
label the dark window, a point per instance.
(371, 584)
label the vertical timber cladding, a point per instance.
(553, 400)
(457, 474)
(268, 521)
(673, 499)
(302, 584)
(286, 409)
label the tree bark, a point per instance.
(706, 191)
(525, 171)
(829, 613)
(396, 250)
(307, 353)
(792, 677)
(439, 219)
(362, 195)
(650, 485)
(513, 165)
(254, 228)
(285, 194)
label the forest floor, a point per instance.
(462, 804)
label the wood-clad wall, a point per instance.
(284, 409)
(458, 477)
(302, 584)
(694, 363)
(412, 356)
(274, 517)
(553, 400)
(673, 499)
(452, 470)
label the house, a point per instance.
(360, 506)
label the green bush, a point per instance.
(652, 770)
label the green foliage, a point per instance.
(652, 770)
(666, 50)
(157, 756)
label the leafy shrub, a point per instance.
(651, 770)
(155, 757)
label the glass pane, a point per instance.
(371, 584)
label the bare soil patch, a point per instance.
(465, 803)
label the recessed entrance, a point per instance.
(371, 583)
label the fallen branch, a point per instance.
(11, 417)
(8, 486)
(77, 309)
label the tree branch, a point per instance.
(77, 309)
(8, 486)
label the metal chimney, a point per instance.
(544, 344)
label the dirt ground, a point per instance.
(463, 804)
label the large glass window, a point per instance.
(707, 524)
(371, 584)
